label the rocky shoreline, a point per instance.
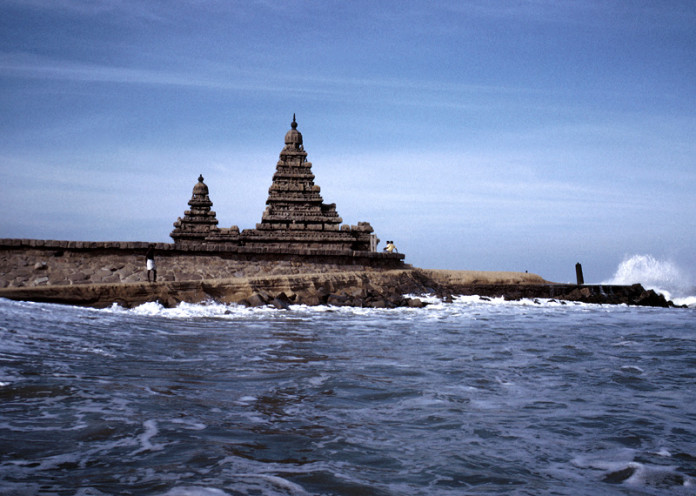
(364, 288)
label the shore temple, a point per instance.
(300, 252)
(296, 216)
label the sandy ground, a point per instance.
(458, 277)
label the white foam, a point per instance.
(207, 309)
(657, 476)
(195, 491)
(90, 491)
(151, 308)
(189, 424)
(318, 380)
(632, 369)
(641, 474)
(664, 452)
(466, 306)
(151, 431)
(689, 301)
(276, 481)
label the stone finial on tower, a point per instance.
(293, 138)
(200, 191)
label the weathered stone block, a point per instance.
(255, 300)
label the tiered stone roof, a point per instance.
(199, 222)
(296, 216)
(294, 201)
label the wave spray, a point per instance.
(663, 276)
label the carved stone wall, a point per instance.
(200, 221)
(32, 262)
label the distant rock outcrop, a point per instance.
(367, 288)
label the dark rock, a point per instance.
(356, 302)
(338, 300)
(170, 301)
(79, 277)
(281, 302)
(309, 300)
(415, 303)
(322, 295)
(264, 295)
(579, 294)
(619, 476)
(356, 292)
(652, 299)
(256, 300)
(393, 301)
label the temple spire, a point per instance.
(200, 221)
(294, 201)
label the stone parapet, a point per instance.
(35, 262)
(6, 243)
(76, 245)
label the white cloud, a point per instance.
(226, 77)
(151, 11)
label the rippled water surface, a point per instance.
(474, 397)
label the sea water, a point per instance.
(479, 396)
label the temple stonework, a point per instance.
(199, 222)
(296, 216)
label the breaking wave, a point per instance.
(663, 276)
(436, 309)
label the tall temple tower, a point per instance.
(294, 201)
(296, 215)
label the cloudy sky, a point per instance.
(482, 135)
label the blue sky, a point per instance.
(481, 135)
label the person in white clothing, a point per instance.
(150, 263)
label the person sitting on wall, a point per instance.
(390, 247)
(150, 263)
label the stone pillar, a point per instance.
(578, 274)
(373, 242)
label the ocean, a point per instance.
(478, 396)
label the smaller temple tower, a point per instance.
(200, 221)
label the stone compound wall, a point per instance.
(25, 262)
